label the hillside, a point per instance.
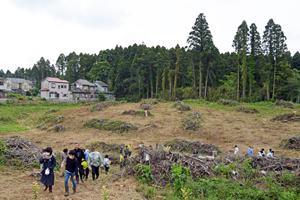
(222, 125)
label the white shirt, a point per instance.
(236, 150)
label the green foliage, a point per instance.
(179, 176)
(102, 97)
(43, 99)
(28, 93)
(144, 173)
(35, 189)
(35, 92)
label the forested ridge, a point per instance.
(259, 69)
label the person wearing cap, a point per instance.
(122, 150)
(71, 170)
(63, 157)
(95, 160)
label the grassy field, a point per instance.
(223, 125)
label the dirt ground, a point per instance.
(221, 127)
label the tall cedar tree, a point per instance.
(200, 39)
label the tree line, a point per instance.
(259, 69)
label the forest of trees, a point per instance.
(259, 69)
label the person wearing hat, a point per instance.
(95, 160)
(71, 170)
(122, 150)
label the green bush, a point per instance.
(28, 93)
(102, 97)
(43, 99)
(11, 95)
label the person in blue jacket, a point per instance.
(250, 151)
(49, 162)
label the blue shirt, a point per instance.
(250, 151)
(87, 156)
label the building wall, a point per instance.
(60, 88)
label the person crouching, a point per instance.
(71, 170)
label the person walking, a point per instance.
(121, 160)
(49, 162)
(250, 151)
(126, 151)
(106, 164)
(87, 170)
(130, 149)
(95, 160)
(63, 157)
(236, 150)
(71, 170)
(79, 155)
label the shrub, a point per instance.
(102, 97)
(11, 95)
(21, 97)
(28, 93)
(43, 99)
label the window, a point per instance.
(85, 87)
(63, 86)
(25, 86)
(65, 95)
(92, 88)
(1, 83)
(91, 96)
(59, 87)
(53, 85)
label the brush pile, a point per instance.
(289, 117)
(246, 109)
(148, 104)
(291, 143)
(137, 113)
(59, 127)
(22, 150)
(285, 104)
(161, 162)
(52, 119)
(109, 125)
(227, 102)
(189, 146)
(180, 105)
(192, 121)
(264, 163)
(107, 147)
(101, 106)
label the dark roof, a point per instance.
(84, 82)
(19, 80)
(78, 90)
(101, 83)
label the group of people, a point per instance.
(261, 153)
(124, 154)
(75, 164)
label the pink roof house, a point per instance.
(54, 88)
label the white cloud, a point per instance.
(34, 28)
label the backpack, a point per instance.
(84, 164)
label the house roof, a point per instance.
(57, 80)
(19, 80)
(101, 83)
(104, 92)
(44, 89)
(84, 82)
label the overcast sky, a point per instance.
(31, 29)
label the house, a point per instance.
(54, 88)
(18, 85)
(82, 89)
(101, 87)
(3, 88)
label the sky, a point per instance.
(31, 29)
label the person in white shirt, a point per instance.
(236, 150)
